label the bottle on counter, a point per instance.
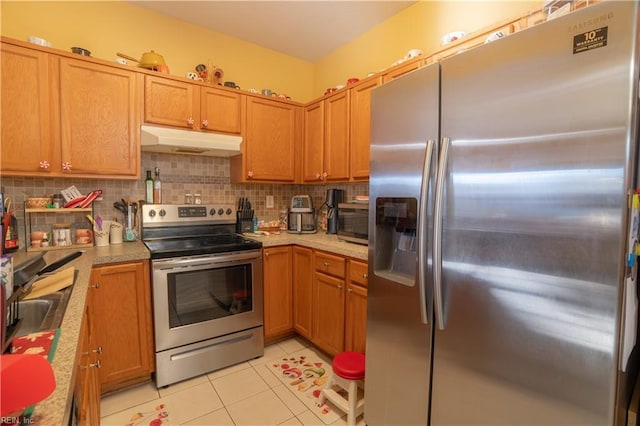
(149, 185)
(157, 188)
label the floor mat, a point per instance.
(305, 374)
(159, 416)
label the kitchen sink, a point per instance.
(33, 314)
(44, 313)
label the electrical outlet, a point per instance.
(269, 201)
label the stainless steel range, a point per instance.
(207, 289)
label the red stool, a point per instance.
(348, 374)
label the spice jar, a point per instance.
(197, 199)
(188, 198)
(62, 234)
(58, 201)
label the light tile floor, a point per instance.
(243, 394)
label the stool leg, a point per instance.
(329, 385)
(353, 402)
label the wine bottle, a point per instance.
(157, 188)
(148, 183)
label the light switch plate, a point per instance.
(269, 201)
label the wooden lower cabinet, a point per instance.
(328, 302)
(87, 389)
(278, 292)
(121, 323)
(302, 291)
(355, 329)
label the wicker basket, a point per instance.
(38, 202)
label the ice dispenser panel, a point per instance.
(395, 239)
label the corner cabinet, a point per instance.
(278, 296)
(67, 117)
(121, 323)
(191, 106)
(268, 149)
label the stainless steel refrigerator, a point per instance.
(500, 288)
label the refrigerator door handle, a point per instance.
(437, 235)
(422, 231)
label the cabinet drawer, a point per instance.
(329, 264)
(358, 273)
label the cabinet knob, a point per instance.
(96, 364)
(94, 286)
(365, 276)
(205, 123)
(324, 175)
(326, 264)
(66, 166)
(266, 254)
(97, 350)
(318, 175)
(250, 174)
(44, 164)
(349, 290)
(339, 287)
(190, 121)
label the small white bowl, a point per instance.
(39, 41)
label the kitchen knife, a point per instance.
(58, 263)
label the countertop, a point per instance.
(56, 409)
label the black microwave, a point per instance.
(353, 222)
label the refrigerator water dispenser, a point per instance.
(395, 239)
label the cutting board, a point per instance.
(52, 283)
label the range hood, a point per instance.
(162, 139)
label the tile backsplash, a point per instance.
(179, 174)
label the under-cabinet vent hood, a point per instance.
(162, 139)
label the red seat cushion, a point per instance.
(349, 365)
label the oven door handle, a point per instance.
(207, 260)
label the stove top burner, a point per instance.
(189, 230)
(206, 244)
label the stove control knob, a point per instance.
(229, 211)
(220, 211)
(212, 212)
(152, 213)
(162, 213)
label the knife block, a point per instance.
(244, 221)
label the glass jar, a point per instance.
(188, 198)
(197, 199)
(58, 201)
(62, 234)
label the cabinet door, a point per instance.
(87, 388)
(278, 292)
(328, 313)
(360, 139)
(171, 103)
(355, 334)
(220, 110)
(313, 144)
(120, 300)
(336, 137)
(303, 291)
(99, 120)
(27, 136)
(270, 140)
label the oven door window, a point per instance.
(203, 295)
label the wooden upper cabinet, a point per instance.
(99, 119)
(360, 139)
(402, 70)
(313, 143)
(336, 137)
(268, 151)
(27, 78)
(191, 106)
(171, 103)
(220, 110)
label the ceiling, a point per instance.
(308, 30)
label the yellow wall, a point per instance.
(420, 26)
(108, 27)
